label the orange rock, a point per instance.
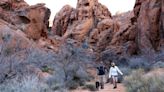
(77, 23)
(149, 24)
(33, 20)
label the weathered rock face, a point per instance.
(38, 23)
(91, 23)
(140, 31)
(33, 20)
(12, 4)
(149, 18)
(12, 40)
(78, 23)
(125, 37)
(61, 20)
(162, 26)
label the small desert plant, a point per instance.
(8, 51)
(138, 82)
(134, 81)
(72, 84)
(47, 69)
(126, 70)
(91, 87)
(158, 64)
(26, 84)
(139, 62)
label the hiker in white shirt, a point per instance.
(113, 73)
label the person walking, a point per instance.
(101, 74)
(113, 73)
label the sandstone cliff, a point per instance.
(133, 33)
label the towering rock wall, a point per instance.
(149, 19)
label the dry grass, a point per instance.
(137, 82)
(26, 84)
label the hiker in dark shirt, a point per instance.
(101, 74)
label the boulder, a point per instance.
(33, 20)
(37, 16)
(62, 20)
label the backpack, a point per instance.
(101, 70)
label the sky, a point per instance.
(114, 6)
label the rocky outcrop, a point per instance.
(61, 20)
(148, 14)
(38, 23)
(12, 38)
(33, 20)
(131, 33)
(126, 35)
(92, 24)
(78, 23)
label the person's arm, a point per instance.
(106, 70)
(119, 70)
(110, 73)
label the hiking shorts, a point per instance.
(114, 77)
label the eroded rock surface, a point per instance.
(33, 20)
(149, 19)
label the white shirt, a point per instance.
(114, 71)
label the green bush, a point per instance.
(137, 82)
(47, 69)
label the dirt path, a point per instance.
(108, 88)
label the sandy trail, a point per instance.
(108, 88)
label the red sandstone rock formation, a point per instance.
(77, 23)
(33, 20)
(149, 17)
(136, 32)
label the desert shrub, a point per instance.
(126, 70)
(137, 82)
(72, 84)
(47, 69)
(8, 51)
(159, 56)
(26, 84)
(134, 81)
(91, 87)
(139, 62)
(71, 65)
(158, 64)
(6, 37)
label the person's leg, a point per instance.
(97, 82)
(97, 85)
(113, 80)
(101, 81)
(116, 80)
